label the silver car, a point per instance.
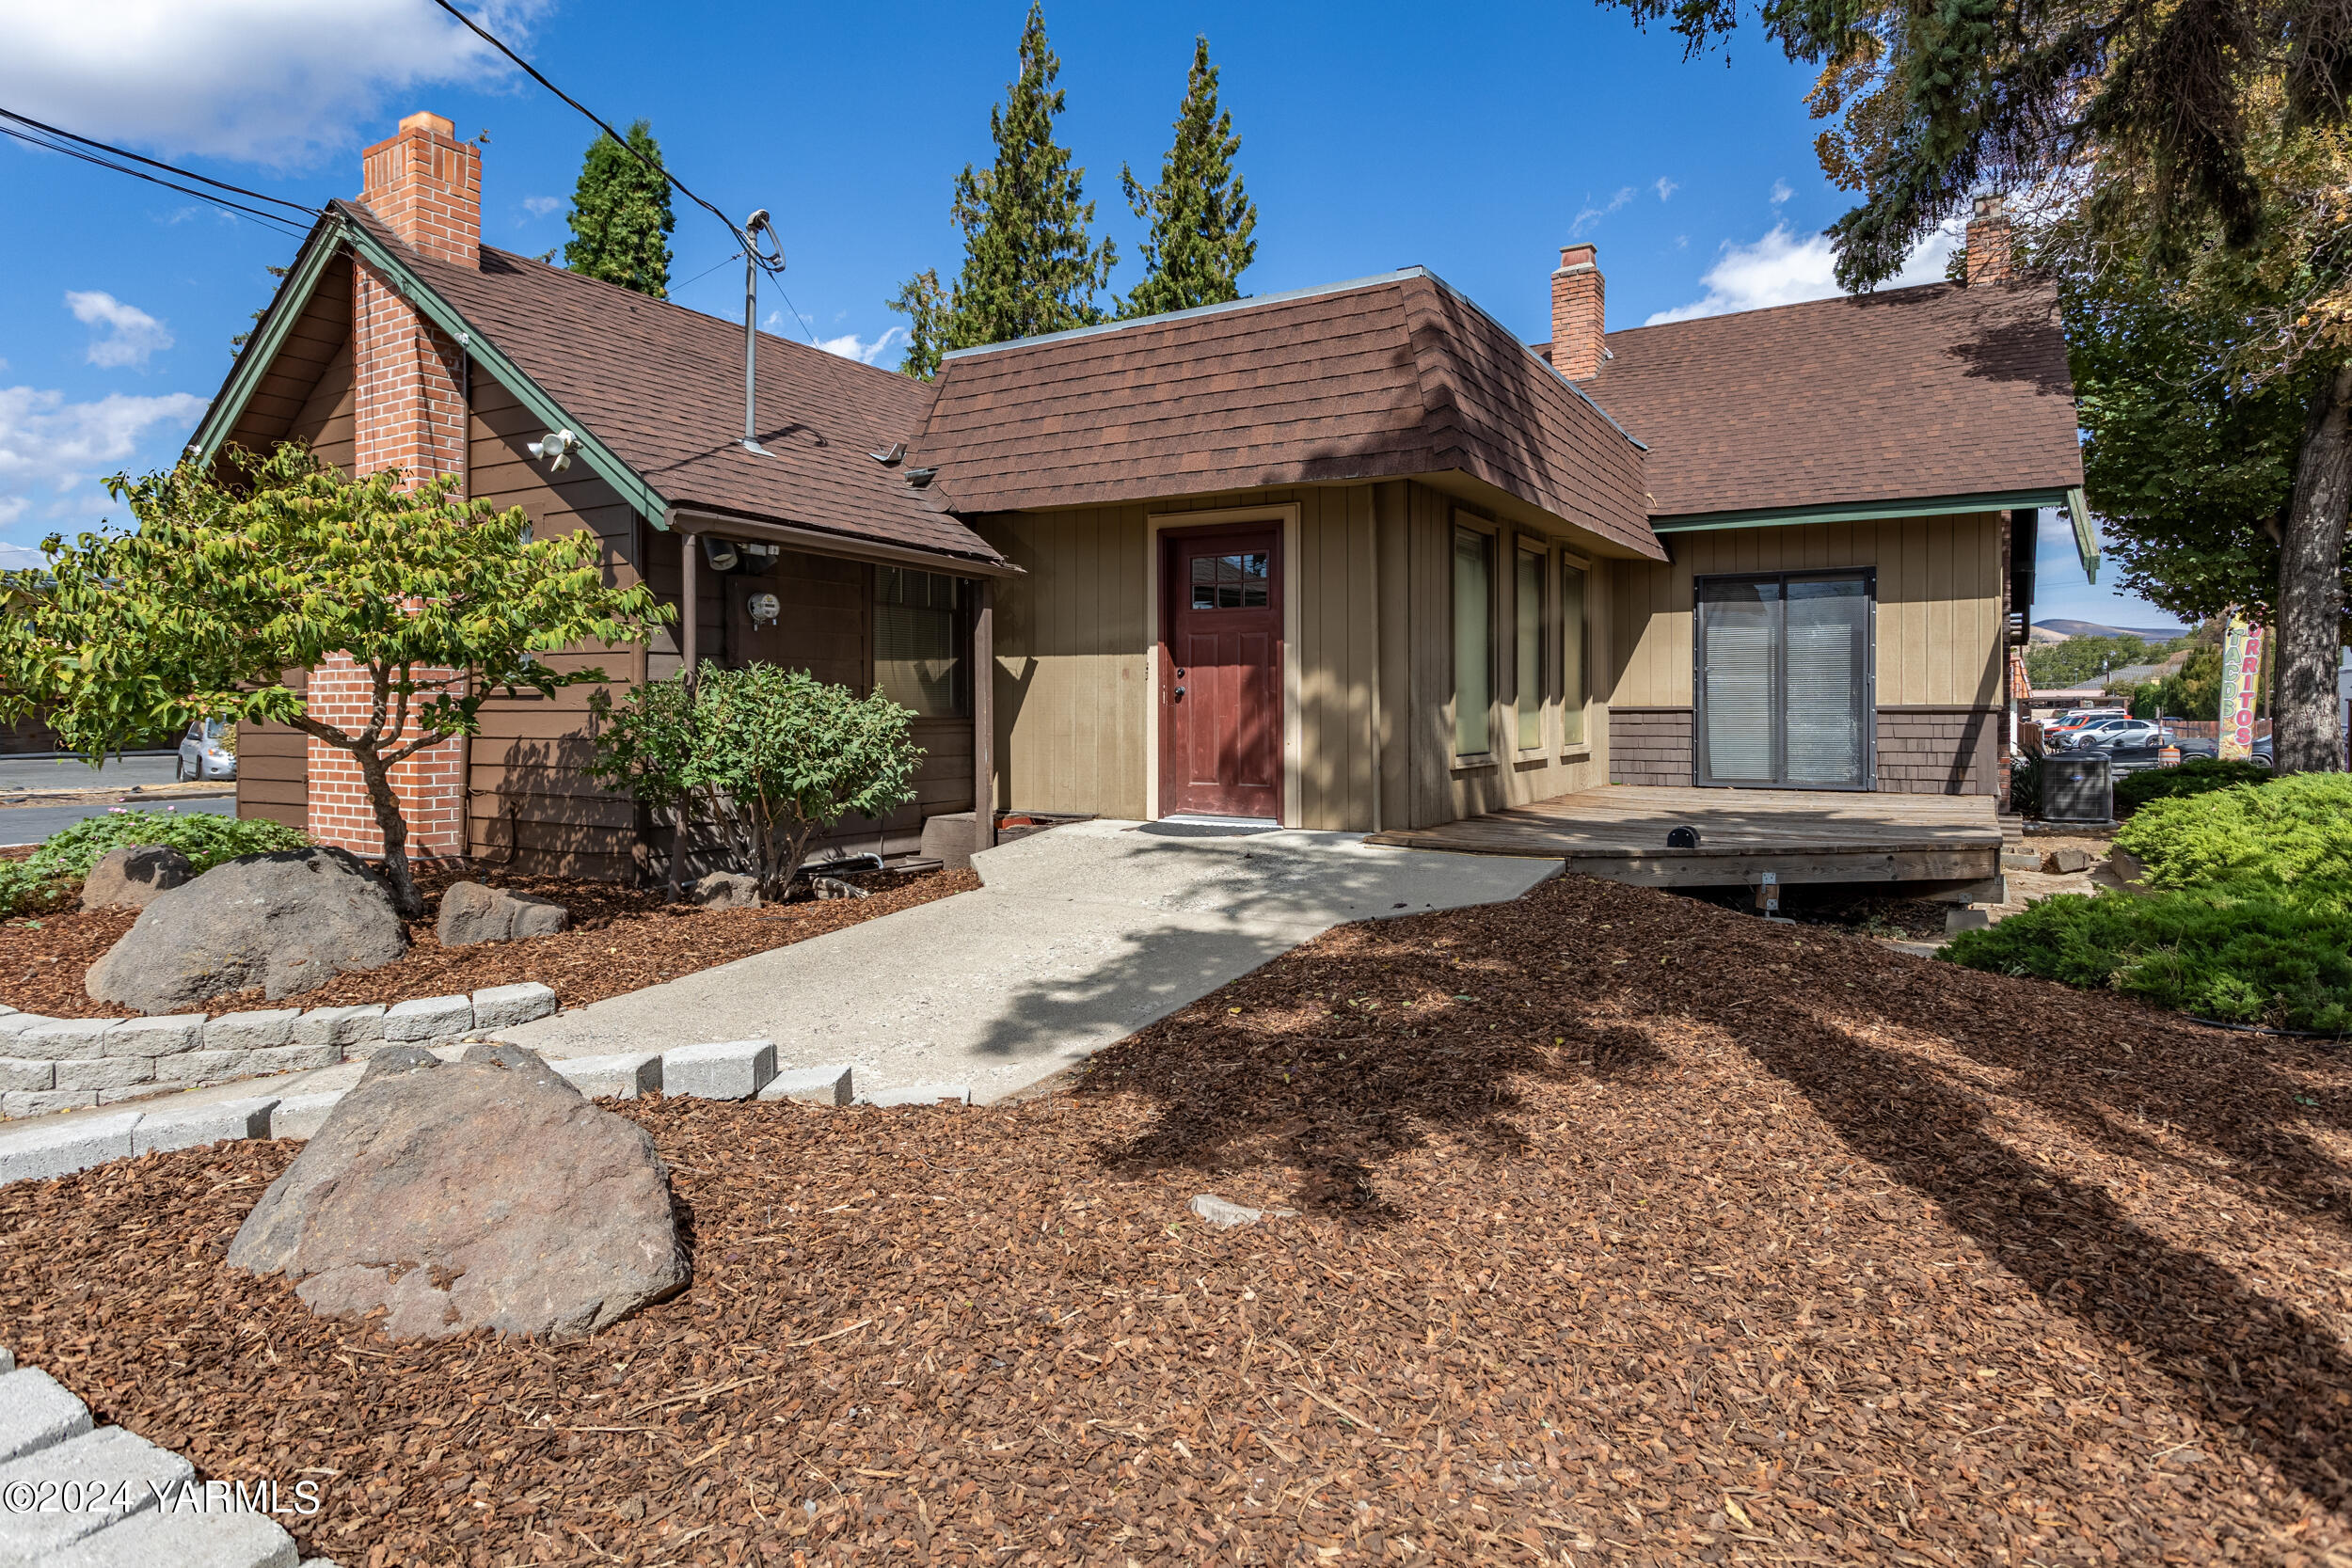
(207, 752)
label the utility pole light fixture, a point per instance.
(755, 257)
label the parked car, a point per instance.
(2131, 750)
(207, 752)
(2054, 731)
(2095, 730)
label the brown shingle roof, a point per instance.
(1395, 376)
(1905, 394)
(662, 387)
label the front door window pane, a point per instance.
(1828, 649)
(1740, 622)
(1230, 581)
(1528, 693)
(1474, 644)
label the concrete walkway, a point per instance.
(1080, 936)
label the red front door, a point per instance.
(1221, 672)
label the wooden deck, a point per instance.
(1619, 833)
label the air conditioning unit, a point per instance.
(2076, 788)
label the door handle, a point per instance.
(1179, 694)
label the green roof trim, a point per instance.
(334, 231)
(1866, 511)
(2086, 537)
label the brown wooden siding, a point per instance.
(1649, 746)
(1939, 750)
(306, 393)
(272, 770)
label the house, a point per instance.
(1347, 558)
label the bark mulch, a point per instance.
(620, 939)
(1635, 1229)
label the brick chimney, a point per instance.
(409, 383)
(426, 186)
(1990, 246)
(1578, 317)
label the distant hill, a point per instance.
(2064, 630)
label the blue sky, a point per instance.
(1372, 139)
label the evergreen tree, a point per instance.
(1030, 264)
(1201, 218)
(621, 218)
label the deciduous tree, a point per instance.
(228, 583)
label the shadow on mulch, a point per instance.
(1635, 1228)
(620, 939)
(1448, 1018)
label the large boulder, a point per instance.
(471, 912)
(288, 922)
(481, 1194)
(724, 890)
(131, 876)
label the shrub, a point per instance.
(2247, 953)
(2197, 776)
(2024, 787)
(65, 858)
(770, 758)
(2293, 829)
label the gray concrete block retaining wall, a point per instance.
(48, 1064)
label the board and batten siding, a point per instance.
(1369, 574)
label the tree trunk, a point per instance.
(2307, 720)
(677, 852)
(405, 898)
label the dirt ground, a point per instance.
(620, 939)
(1634, 1230)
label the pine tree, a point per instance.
(621, 218)
(1201, 218)
(1030, 264)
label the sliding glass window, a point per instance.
(1783, 680)
(1572, 692)
(1526, 691)
(1473, 642)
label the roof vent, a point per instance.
(921, 477)
(890, 459)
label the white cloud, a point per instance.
(540, 206)
(850, 347)
(277, 81)
(128, 334)
(48, 444)
(1781, 269)
(1591, 215)
(1780, 192)
(1666, 188)
(18, 558)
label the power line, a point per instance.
(150, 163)
(533, 72)
(62, 142)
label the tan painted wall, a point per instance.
(1073, 667)
(1939, 605)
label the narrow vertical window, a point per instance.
(1573, 694)
(1527, 692)
(1473, 642)
(918, 641)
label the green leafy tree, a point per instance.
(2192, 691)
(1201, 218)
(770, 757)
(1030, 264)
(2078, 660)
(621, 218)
(229, 582)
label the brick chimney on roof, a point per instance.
(410, 386)
(1578, 317)
(426, 186)
(1989, 246)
